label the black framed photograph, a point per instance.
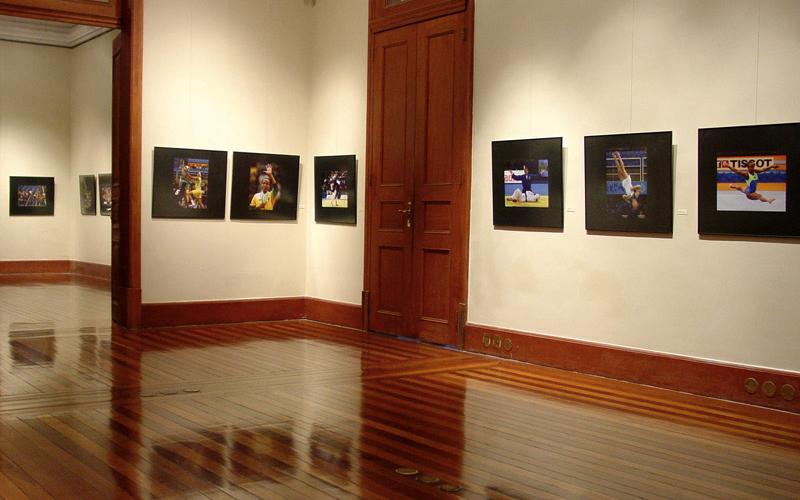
(629, 182)
(528, 183)
(106, 194)
(264, 186)
(189, 183)
(747, 180)
(335, 189)
(32, 196)
(87, 192)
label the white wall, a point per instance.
(337, 126)
(580, 67)
(34, 141)
(230, 76)
(90, 140)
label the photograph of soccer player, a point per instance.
(189, 183)
(31, 196)
(527, 183)
(335, 189)
(264, 186)
(629, 182)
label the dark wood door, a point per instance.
(391, 183)
(419, 139)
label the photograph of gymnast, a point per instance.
(747, 182)
(629, 182)
(626, 194)
(755, 183)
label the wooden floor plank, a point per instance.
(300, 409)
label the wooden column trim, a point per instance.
(69, 11)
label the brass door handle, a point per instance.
(408, 212)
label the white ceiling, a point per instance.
(20, 29)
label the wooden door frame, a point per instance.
(377, 25)
(128, 16)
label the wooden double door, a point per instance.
(419, 149)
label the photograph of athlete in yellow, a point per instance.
(269, 192)
(750, 175)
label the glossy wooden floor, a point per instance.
(299, 409)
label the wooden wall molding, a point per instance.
(91, 270)
(221, 311)
(161, 314)
(34, 266)
(91, 12)
(692, 375)
(72, 267)
(337, 313)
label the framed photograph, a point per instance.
(32, 196)
(189, 183)
(527, 183)
(87, 185)
(264, 186)
(629, 182)
(335, 189)
(106, 194)
(748, 180)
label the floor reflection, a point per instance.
(304, 410)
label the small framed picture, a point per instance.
(527, 183)
(629, 182)
(106, 194)
(264, 186)
(32, 196)
(748, 180)
(87, 185)
(335, 189)
(189, 183)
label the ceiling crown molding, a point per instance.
(19, 29)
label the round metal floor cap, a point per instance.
(406, 471)
(450, 488)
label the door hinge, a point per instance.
(462, 322)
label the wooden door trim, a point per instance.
(370, 172)
(382, 18)
(69, 11)
(128, 16)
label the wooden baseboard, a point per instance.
(74, 267)
(337, 313)
(221, 311)
(34, 266)
(696, 376)
(91, 270)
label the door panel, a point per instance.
(419, 139)
(441, 109)
(392, 104)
